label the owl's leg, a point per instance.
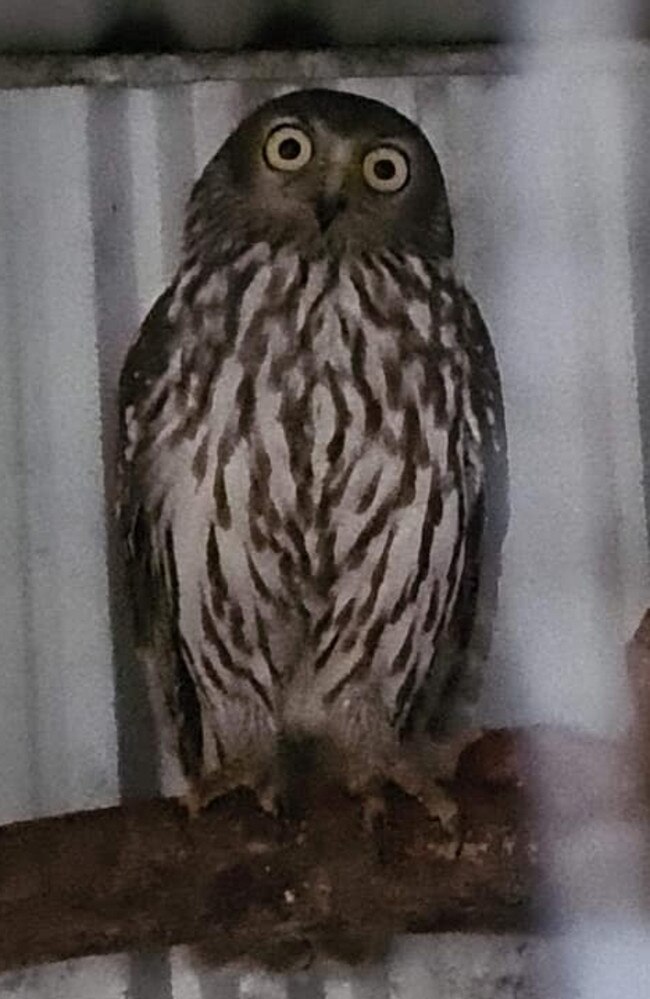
(418, 777)
(373, 757)
(424, 766)
(416, 781)
(238, 752)
(203, 790)
(363, 748)
(421, 769)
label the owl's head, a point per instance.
(326, 172)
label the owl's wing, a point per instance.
(470, 631)
(150, 561)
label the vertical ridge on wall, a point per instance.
(120, 252)
(116, 319)
(177, 167)
(150, 268)
(636, 94)
(18, 783)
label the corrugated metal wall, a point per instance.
(92, 186)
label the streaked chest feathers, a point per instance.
(312, 457)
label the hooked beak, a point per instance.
(327, 207)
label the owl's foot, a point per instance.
(376, 804)
(192, 800)
(373, 810)
(415, 783)
(420, 769)
(419, 784)
(202, 791)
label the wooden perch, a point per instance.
(145, 876)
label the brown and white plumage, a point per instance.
(313, 451)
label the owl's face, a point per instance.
(327, 172)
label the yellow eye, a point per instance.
(288, 148)
(385, 169)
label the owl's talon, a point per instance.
(443, 757)
(373, 812)
(268, 801)
(441, 807)
(192, 801)
(204, 790)
(418, 777)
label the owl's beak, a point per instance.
(327, 207)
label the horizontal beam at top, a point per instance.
(147, 71)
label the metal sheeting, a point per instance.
(92, 186)
(57, 731)
(447, 967)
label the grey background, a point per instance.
(546, 165)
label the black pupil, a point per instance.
(289, 149)
(385, 169)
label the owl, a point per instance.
(313, 458)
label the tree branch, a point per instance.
(145, 876)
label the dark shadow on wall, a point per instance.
(131, 34)
(130, 26)
(154, 26)
(117, 319)
(282, 28)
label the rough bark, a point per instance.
(145, 876)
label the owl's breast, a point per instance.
(326, 395)
(334, 414)
(309, 460)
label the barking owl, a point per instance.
(313, 460)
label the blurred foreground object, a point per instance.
(638, 667)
